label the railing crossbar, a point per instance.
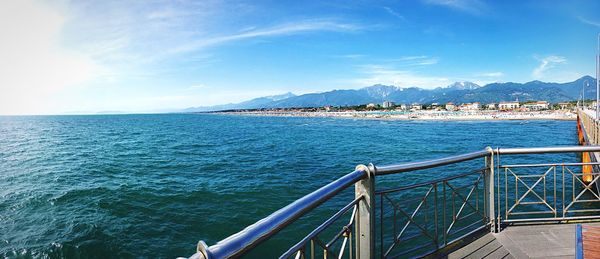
(322, 227)
(457, 211)
(412, 186)
(549, 164)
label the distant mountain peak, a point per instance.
(535, 82)
(464, 85)
(586, 78)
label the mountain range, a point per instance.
(459, 92)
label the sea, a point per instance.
(152, 186)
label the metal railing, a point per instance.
(447, 210)
(590, 126)
(548, 195)
(476, 192)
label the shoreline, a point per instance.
(415, 116)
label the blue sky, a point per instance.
(148, 56)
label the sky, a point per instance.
(62, 56)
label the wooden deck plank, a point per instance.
(472, 247)
(500, 253)
(591, 241)
(484, 251)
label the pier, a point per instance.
(491, 203)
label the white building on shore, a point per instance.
(537, 106)
(508, 106)
(470, 106)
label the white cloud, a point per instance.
(491, 74)
(394, 13)
(475, 7)
(590, 22)
(546, 63)
(33, 64)
(410, 61)
(284, 29)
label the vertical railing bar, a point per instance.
(555, 208)
(486, 180)
(505, 193)
(489, 191)
(563, 191)
(435, 213)
(453, 204)
(444, 209)
(516, 186)
(381, 224)
(477, 195)
(394, 220)
(544, 187)
(426, 211)
(498, 187)
(344, 243)
(350, 248)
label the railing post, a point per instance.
(365, 217)
(489, 189)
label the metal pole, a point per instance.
(585, 84)
(598, 80)
(489, 189)
(365, 217)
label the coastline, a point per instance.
(416, 115)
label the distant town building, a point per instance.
(469, 106)
(537, 106)
(327, 108)
(564, 105)
(492, 106)
(371, 105)
(416, 106)
(388, 104)
(450, 106)
(403, 107)
(508, 106)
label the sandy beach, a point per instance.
(419, 115)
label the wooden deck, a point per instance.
(484, 247)
(591, 241)
(533, 241)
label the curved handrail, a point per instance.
(243, 241)
(392, 169)
(540, 150)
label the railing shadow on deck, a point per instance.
(467, 193)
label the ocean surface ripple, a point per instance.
(151, 186)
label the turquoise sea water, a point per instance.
(153, 185)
